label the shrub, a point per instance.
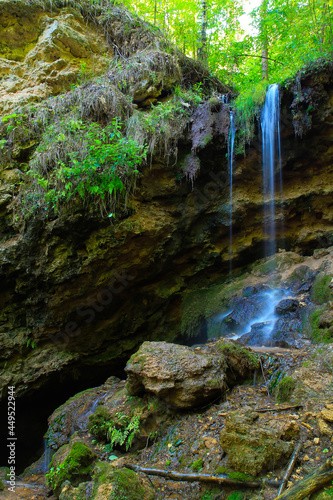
(85, 160)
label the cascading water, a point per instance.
(47, 456)
(231, 142)
(271, 152)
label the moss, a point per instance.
(236, 495)
(197, 465)
(222, 470)
(321, 291)
(2, 486)
(240, 352)
(203, 304)
(319, 334)
(125, 483)
(76, 467)
(284, 389)
(98, 424)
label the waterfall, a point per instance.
(231, 142)
(271, 152)
(47, 456)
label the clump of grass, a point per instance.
(247, 107)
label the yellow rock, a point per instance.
(327, 414)
(324, 428)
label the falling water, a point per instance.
(231, 142)
(271, 162)
(47, 457)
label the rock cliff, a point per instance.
(80, 288)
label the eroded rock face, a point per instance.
(43, 52)
(177, 374)
(82, 291)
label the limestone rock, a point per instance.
(177, 374)
(72, 462)
(42, 52)
(324, 428)
(327, 413)
(254, 445)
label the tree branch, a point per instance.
(207, 478)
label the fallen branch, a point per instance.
(308, 485)
(290, 468)
(291, 407)
(207, 478)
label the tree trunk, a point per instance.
(202, 49)
(308, 485)
(264, 62)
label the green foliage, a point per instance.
(321, 292)
(197, 465)
(318, 332)
(31, 343)
(159, 129)
(118, 431)
(76, 467)
(210, 495)
(85, 160)
(236, 495)
(239, 352)
(284, 389)
(247, 107)
(123, 484)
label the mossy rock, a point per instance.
(73, 462)
(284, 389)
(254, 446)
(127, 422)
(321, 291)
(69, 492)
(326, 494)
(119, 484)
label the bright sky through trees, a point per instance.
(235, 37)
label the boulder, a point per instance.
(183, 377)
(255, 444)
(286, 306)
(74, 414)
(72, 462)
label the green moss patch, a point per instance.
(73, 463)
(321, 291)
(126, 484)
(284, 389)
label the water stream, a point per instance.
(271, 154)
(231, 143)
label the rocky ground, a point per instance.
(259, 422)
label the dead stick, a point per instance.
(309, 484)
(290, 468)
(263, 410)
(189, 477)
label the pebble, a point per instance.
(316, 440)
(306, 458)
